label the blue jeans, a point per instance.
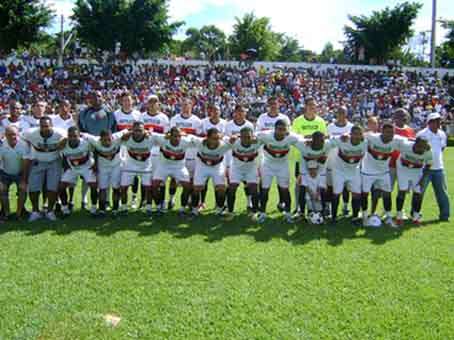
(438, 179)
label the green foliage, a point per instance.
(381, 32)
(290, 49)
(138, 25)
(22, 22)
(209, 42)
(445, 52)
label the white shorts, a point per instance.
(248, 175)
(70, 176)
(381, 182)
(203, 172)
(190, 166)
(408, 180)
(329, 177)
(179, 173)
(127, 177)
(154, 163)
(280, 171)
(341, 180)
(109, 177)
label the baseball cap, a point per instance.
(433, 116)
(152, 97)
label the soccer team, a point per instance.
(46, 157)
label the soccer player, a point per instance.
(172, 147)
(213, 121)
(375, 169)
(13, 152)
(412, 166)
(243, 169)
(14, 119)
(33, 120)
(346, 172)
(314, 183)
(44, 165)
(276, 147)
(78, 155)
(210, 164)
(108, 163)
(156, 121)
(138, 144)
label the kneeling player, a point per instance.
(78, 154)
(413, 163)
(209, 164)
(172, 148)
(243, 168)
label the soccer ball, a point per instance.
(374, 221)
(315, 218)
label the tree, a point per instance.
(381, 32)
(22, 22)
(445, 52)
(290, 49)
(138, 24)
(251, 32)
(209, 41)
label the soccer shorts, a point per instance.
(269, 171)
(379, 182)
(128, 174)
(179, 173)
(44, 172)
(245, 174)
(203, 172)
(190, 166)
(109, 177)
(71, 176)
(351, 181)
(408, 180)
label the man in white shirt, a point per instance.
(13, 151)
(438, 142)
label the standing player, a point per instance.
(276, 147)
(156, 121)
(138, 146)
(14, 119)
(78, 155)
(375, 169)
(412, 166)
(38, 111)
(244, 169)
(346, 173)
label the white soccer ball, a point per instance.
(374, 221)
(315, 218)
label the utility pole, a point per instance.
(63, 42)
(434, 33)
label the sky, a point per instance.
(313, 23)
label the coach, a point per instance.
(438, 142)
(97, 117)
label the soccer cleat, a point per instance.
(417, 219)
(65, 211)
(202, 206)
(390, 222)
(281, 206)
(34, 216)
(345, 212)
(220, 211)
(93, 211)
(134, 203)
(182, 212)
(261, 218)
(399, 218)
(195, 212)
(289, 218)
(51, 216)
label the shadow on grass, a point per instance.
(212, 228)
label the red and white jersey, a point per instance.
(334, 130)
(347, 157)
(245, 156)
(190, 126)
(232, 128)
(410, 160)
(207, 124)
(80, 157)
(309, 154)
(267, 122)
(276, 151)
(208, 156)
(108, 156)
(61, 123)
(155, 123)
(44, 149)
(172, 155)
(125, 120)
(376, 160)
(138, 153)
(406, 132)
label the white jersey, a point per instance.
(411, 161)
(30, 122)
(310, 154)
(210, 157)
(190, 126)
(245, 156)
(376, 160)
(12, 158)
(157, 123)
(5, 122)
(267, 122)
(44, 149)
(80, 157)
(232, 128)
(108, 157)
(64, 124)
(125, 120)
(347, 157)
(207, 124)
(139, 153)
(276, 151)
(334, 130)
(172, 155)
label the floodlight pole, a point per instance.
(433, 34)
(63, 42)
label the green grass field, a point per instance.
(178, 279)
